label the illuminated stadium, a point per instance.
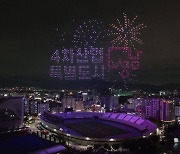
(97, 128)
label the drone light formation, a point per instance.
(126, 35)
(78, 64)
(92, 49)
(125, 66)
(88, 34)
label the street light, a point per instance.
(111, 139)
(87, 138)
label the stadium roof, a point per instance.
(28, 144)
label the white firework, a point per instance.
(127, 34)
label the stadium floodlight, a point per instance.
(111, 139)
(176, 140)
(87, 138)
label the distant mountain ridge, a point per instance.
(50, 83)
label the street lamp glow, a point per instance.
(87, 138)
(111, 139)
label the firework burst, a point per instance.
(126, 34)
(89, 33)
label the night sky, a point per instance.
(28, 29)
